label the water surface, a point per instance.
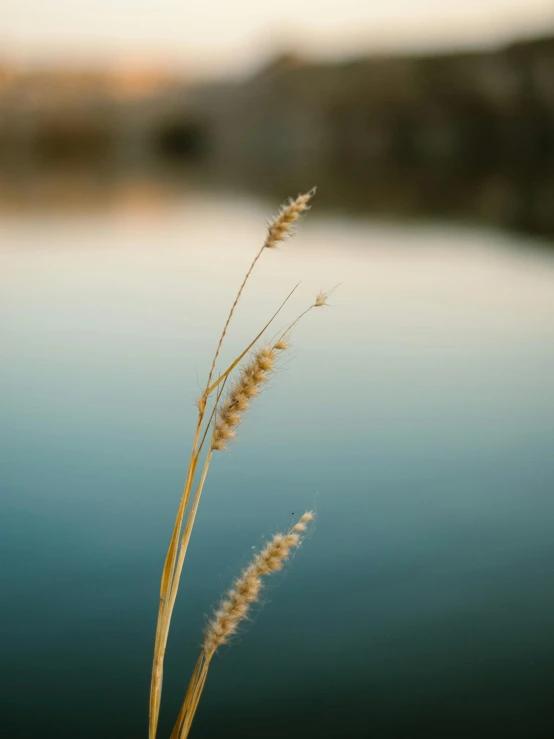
(415, 415)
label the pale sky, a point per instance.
(213, 37)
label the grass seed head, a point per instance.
(281, 226)
(321, 299)
(253, 375)
(246, 589)
(281, 345)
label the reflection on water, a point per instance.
(415, 415)
(516, 200)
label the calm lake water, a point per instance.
(415, 416)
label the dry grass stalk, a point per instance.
(252, 376)
(232, 610)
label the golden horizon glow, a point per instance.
(214, 38)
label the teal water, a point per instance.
(415, 415)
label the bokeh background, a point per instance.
(143, 145)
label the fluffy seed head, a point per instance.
(281, 226)
(246, 589)
(305, 519)
(266, 358)
(281, 345)
(321, 299)
(253, 375)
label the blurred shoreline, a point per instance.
(465, 135)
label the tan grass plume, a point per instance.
(278, 229)
(219, 426)
(253, 376)
(233, 609)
